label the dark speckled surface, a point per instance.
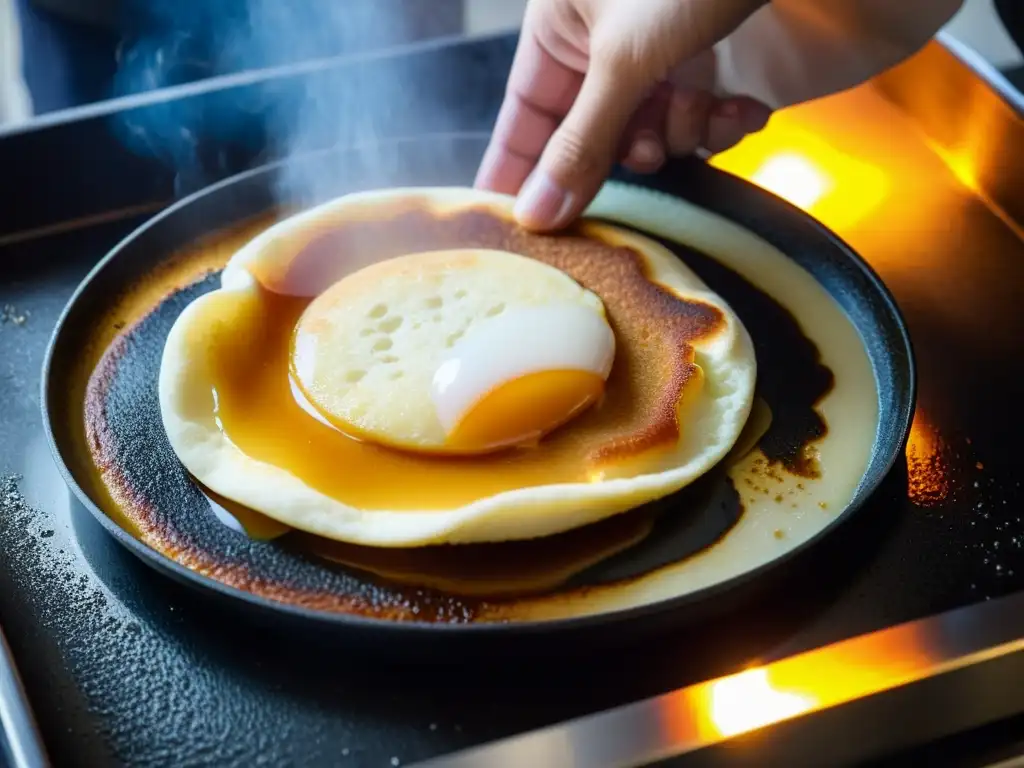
(125, 666)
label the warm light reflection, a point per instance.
(761, 696)
(746, 701)
(928, 481)
(964, 167)
(793, 178)
(836, 188)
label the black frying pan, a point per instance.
(183, 512)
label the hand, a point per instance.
(596, 81)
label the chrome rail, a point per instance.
(857, 699)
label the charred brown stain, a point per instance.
(170, 513)
(656, 329)
(167, 511)
(791, 377)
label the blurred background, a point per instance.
(56, 54)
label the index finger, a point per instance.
(539, 93)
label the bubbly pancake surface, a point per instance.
(452, 352)
(676, 400)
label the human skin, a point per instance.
(599, 81)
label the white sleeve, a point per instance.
(792, 51)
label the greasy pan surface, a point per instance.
(310, 585)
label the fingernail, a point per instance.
(646, 149)
(542, 204)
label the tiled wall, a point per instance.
(976, 25)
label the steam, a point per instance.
(311, 106)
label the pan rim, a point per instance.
(904, 413)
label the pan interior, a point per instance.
(726, 525)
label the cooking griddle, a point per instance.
(123, 666)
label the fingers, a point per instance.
(559, 132)
(642, 149)
(540, 92)
(646, 152)
(582, 149)
(681, 121)
(731, 120)
(687, 120)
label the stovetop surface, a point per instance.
(123, 666)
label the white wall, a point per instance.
(976, 25)
(484, 16)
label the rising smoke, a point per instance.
(309, 105)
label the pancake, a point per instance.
(677, 398)
(452, 352)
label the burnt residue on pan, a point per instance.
(781, 346)
(153, 494)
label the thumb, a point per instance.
(583, 149)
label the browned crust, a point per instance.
(643, 315)
(655, 329)
(159, 533)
